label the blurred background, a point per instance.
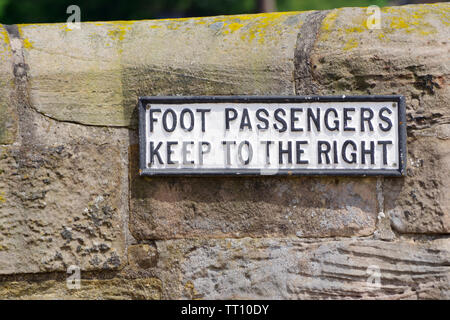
(36, 11)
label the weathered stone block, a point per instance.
(294, 269)
(111, 289)
(63, 199)
(180, 207)
(66, 189)
(8, 108)
(142, 256)
(421, 203)
(102, 68)
(405, 56)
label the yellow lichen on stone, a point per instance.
(407, 20)
(4, 49)
(353, 30)
(235, 26)
(120, 28)
(328, 23)
(398, 23)
(250, 26)
(2, 198)
(258, 26)
(27, 44)
(443, 12)
(329, 26)
(417, 19)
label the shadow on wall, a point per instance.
(207, 207)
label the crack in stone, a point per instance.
(303, 74)
(21, 79)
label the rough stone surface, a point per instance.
(8, 109)
(421, 203)
(142, 256)
(166, 208)
(112, 289)
(70, 193)
(294, 269)
(408, 55)
(171, 207)
(63, 199)
(102, 68)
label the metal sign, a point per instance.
(290, 135)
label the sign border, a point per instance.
(399, 99)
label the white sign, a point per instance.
(272, 135)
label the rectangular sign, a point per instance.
(290, 135)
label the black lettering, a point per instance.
(174, 120)
(170, 151)
(385, 144)
(385, 119)
(300, 151)
(155, 152)
(267, 143)
(321, 151)
(186, 152)
(335, 154)
(227, 145)
(283, 123)
(295, 118)
(191, 115)
(315, 119)
(367, 119)
(365, 152)
(229, 118)
(263, 120)
(203, 111)
(347, 118)
(245, 120)
(152, 120)
(344, 151)
(249, 152)
(282, 151)
(202, 151)
(336, 121)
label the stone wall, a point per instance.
(70, 193)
